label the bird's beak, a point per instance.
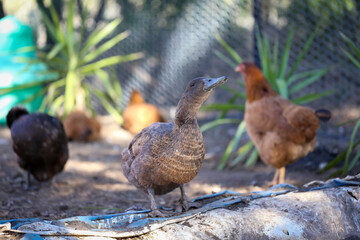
(211, 83)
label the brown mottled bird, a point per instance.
(139, 114)
(39, 142)
(281, 131)
(165, 156)
(79, 127)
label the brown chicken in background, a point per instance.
(79, 127)
(39, 142)
(281, 131)
(139, 114)
(165, 156)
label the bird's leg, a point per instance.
(275, 180)
(54, 184)
(282, 175)
(184, 203)
(29, 185)
(155, 212)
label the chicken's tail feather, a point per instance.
(323, 114)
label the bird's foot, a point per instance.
(185, 205)
(156, 213)
(269, 184)
(279, 177)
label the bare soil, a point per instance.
(92, 182)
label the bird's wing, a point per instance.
(303, 120)
(140, 161)
(296, 123)
(155, 134)
(275, 114)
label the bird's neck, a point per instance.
(186, 110)
(257, 88)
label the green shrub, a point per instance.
(73, 58)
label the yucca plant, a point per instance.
(283, 80)
(74, 58)
(354, 57)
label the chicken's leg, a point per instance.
(282, 175)
(275, 180)
(155, 212)
(29, 185)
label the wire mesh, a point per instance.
(184, 48)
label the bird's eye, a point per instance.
(192, 84)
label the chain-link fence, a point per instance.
(181, 47)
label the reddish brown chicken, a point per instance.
(281, 131)
(139, 114)
(79, 127)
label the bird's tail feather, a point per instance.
(323, 114)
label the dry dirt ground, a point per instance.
(92, 182)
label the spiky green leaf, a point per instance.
(98, 35)
(229, 49)
(105, 47)
(232, 145)
(106, 62)
(218, 122)
(250, 163)
(285, 56)
(221, 107)
(304, 83)
(312, 97)
(225, 59)
(242, 153)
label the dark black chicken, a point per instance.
(39, 142)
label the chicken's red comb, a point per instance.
(240, 68)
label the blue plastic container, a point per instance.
(16, 37)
